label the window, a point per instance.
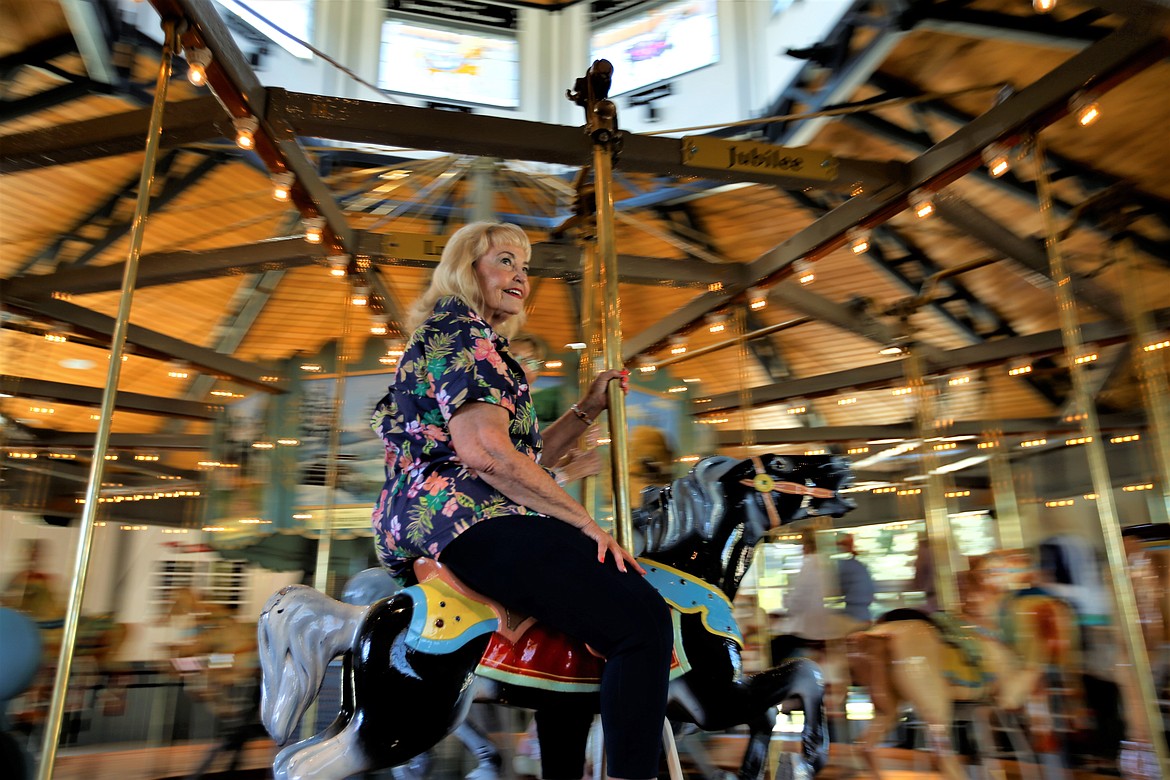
(278, 20)
(450, 63)
(212, 581)
(658, 44)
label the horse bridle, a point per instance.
(765, 483)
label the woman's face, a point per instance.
(502, 272)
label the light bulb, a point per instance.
(922, 202)
(282, 186)
(716, 323)
(197, 62)
(757, 298)
(804, 271)
(859, 240)
(678, 345)
(360, 296)
(338, 264)
(995, 157)
(379, 325)
(314, 229)
(246, 127)
(1084, 105)
(1043, 6)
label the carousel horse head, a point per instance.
(711, 520)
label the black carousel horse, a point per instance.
(415, 662)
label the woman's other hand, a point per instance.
(607, 544)
(597, 399)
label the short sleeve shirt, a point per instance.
(430, 496)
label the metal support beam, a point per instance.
(1131, 48)
(23, 387)
(206, 360)
(188, 121)
(884, 374)
(549, 259)
(842, 433)
(1028, 252)
(384, 124)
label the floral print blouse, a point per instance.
(430, 496)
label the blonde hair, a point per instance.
(455, 275)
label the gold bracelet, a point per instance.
(581, 415)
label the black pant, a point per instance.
(548, 569)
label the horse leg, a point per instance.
(333, 758)
(871, 662)
(797, 684)
(484, 750)
(921, 682)
(759, 739)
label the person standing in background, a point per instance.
(856, 584)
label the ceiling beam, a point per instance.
(549, 259)
(989, 353)
(1027, 251)
(1131, 48)
(122, 441)
(187, 121)
(158, 268)
(1030, 29)
(40, 389)
(201, 358)
(840, 433)
(367, 122)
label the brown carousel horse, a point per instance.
(1001, 655)
(415, 662)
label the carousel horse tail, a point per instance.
(801, 679)
(299, 632)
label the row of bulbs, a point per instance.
(246, 126)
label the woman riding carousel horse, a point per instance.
(464, 485)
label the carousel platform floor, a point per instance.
(181, 761)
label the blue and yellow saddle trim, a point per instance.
(444, 620)
(689, 594)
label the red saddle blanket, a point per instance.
(545, 658)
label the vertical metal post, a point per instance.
(1151, 370)
(101, 441)
(592, 93)
(1126, 604)
(591, 337)
(938, 523)
(325, 543)
(1009, 526)
(611, 344)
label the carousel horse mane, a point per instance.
(689, 506)
(295, 646)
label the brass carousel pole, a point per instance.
(325, 543)
(591, 335)
(1123, 595)
(938, 523)
(101, 441)
(592, 93)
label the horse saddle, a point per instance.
(963, 665)
(448, 614)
